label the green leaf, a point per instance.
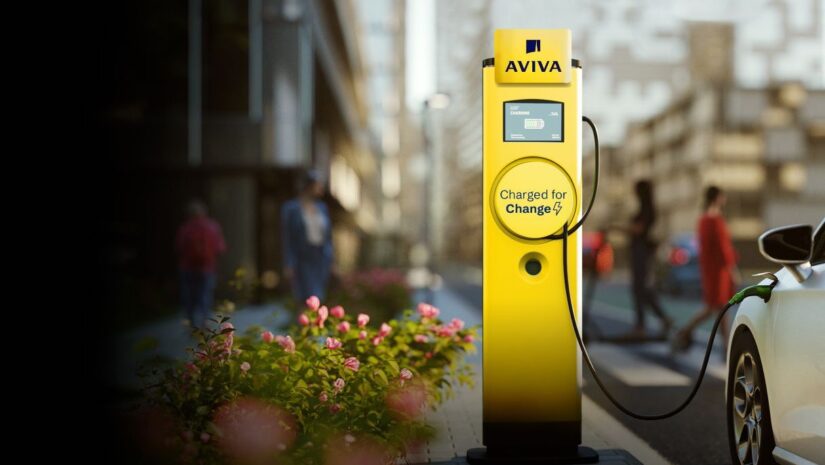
(394, 366)
(382, 377)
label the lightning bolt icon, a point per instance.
(557, 208)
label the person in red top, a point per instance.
(199, 242)
(717, 265)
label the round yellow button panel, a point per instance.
(533, 197)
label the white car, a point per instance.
(776, 357)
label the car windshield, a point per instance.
(819, 245)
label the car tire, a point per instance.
(750, 434)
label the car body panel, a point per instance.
(788, 331)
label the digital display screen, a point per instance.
(533, 122)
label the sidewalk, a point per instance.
(459, 419)
(170, 339)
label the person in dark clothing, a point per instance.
(642, 250)
(307, 239)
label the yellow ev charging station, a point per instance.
(532, 212)
(532, 189)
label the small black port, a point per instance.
(533, 267)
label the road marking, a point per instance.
(690, 360)
(603, 425)
(633, 370)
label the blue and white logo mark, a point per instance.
(533, 45)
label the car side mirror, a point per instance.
(791, 247)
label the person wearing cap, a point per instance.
(307, 239)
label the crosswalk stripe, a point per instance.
(632, 370)
(691, 360)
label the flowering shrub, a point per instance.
(337, 387)
(381, 293)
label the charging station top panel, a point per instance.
(533, 56)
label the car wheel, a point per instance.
(750, 434)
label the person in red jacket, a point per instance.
(717, 265)
(199, 242)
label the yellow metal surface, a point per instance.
(531, 362)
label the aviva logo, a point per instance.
(520, 66)
(532, 56)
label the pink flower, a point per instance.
(267, 337)
(362, 335)
(303, 319)
(205, 437)
(363, 319)
(420, 338)
(286, 343)
(444, 331)
(337, 311)
(469, 338)
(338, 385)
(428, 355)
(333, 343)
(457, 324)
(245, 366)
(335, 408)
(227, 325)
(313, 303)
(377, 340)
(323, 314)
(427, 310)
(405, 374)
(251, 429)
(352, 363)
(343, 326)
(385, 330)
(323, 397)
(407, 402)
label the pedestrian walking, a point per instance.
(199, 243)
(307, 239)
(717, 264)
(642, 251)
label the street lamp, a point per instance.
(436, 101)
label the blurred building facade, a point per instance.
(764, 146)
(643, 61)
(228, 101)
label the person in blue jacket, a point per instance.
(307, 239)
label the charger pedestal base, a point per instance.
(484, 456)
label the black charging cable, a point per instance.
(595, 182)
(592, 368)
(760, 290)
